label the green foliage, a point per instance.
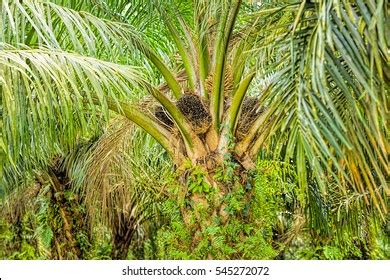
(254, 219)
(101, 246)
(21, 245)
(258, 219)
(196, 182)
(239, 224)
(225, 173)
(44, 233)
(6, 237)
(361, 235)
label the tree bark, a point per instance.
(58, 184)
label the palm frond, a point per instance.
(46, 24)
(49, 91)
(328, 101)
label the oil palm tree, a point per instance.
(305, 82)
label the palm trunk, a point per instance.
(65, 245)
(207, 210)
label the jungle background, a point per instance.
(194, 129)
